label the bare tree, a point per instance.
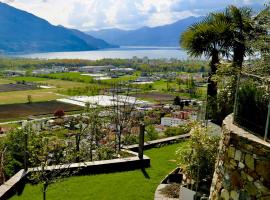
(123, 109)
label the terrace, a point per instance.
(121, 185)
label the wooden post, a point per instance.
(26, 151)
(141, 140)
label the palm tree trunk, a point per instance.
(238, 55)
(212, 87)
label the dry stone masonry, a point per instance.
(243, 166)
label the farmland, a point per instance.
(20, 111)
(16, 87)
(155, 96)
(38, 95)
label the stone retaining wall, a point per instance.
(242, 167)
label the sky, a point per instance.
(124, 14)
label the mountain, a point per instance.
(167, 35)
(22, 32)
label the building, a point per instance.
(170, 121)
(96, 69)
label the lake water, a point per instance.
(125, 52)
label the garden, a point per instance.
(122, 185)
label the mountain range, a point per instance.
(22, 32)
(167, 35)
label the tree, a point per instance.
(208, 38)
(29, 98)
(241, 31)
(122, 113)
(94, 128)
(3, 150)
(254, 37)
(177, 101)
(220, 34)
(50, 161)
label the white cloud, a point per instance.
(127, 14)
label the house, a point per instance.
(96, 69)
(170, 121)
(181, 115)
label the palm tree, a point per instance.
(241, 32)
(208, 38)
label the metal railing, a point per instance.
(252, 104)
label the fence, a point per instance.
(252, 104)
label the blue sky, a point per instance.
(124, 14)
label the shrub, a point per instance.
(151, 133)
(130, 139)
(105, 153)
(173, 131)
(59, 113)
(198, 159)
(252, 107)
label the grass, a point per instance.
(6, 81)
(70, 76)
(40, 94)
(21, 96)
(27, 79)
(124, 185)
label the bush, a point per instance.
(105, 153)
(130, 139)
(252, 107)
(173, 131)
(59, 113)
(197, 160)
(151, 133)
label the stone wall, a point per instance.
(242, 167)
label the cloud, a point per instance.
(125, 14)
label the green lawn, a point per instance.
(70, 76)
(28, 79)
(115, 186)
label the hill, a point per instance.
(167, 35)
(22, 32)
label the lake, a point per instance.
(125, 52)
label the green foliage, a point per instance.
(173, 131)
(105, 152)
(130, 139)
(198, 158)
(69, 76)
(29, 99)
(252, 106)
(15, 152)
(151, 133)
(177, 101)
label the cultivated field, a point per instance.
(16, 87)
(20, 111)
(155, 96)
